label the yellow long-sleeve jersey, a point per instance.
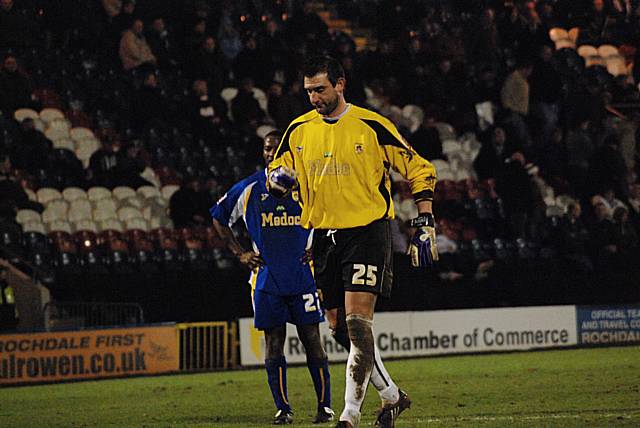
(343, 167)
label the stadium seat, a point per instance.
(56, 210)
(25, 113)
(97, 193)
(28, 216)
(169, 190)
(150, 175)
(573, 34)
(616, 65)
(123, 192)
(413, 115)
(555, 211)
(80, 133)
(48, 115)
(85, 226)
(446, 131)
(440, 165)
(31, 194)
(228, 94)
(80, 209)
(47, 194)
(586, 51)
(59, 124)
(212, 238)
(128, 213)
(71, 194)
(565, 44)
(34, 226)
(64, 143)
(54, 134)
(111, 224)
(59, 226)
(66, 251)
(149, 192)
(156, 222)
(88, 248)
(132, 201)
(261, 97)
(505, 250)
(36, 242)
(595, 60)
(527, 250)
(263, 130)
(90, 144)
(606, 51)
(105, 211)
(558, 33)
(137, 223)
(117, 251)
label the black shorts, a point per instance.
(356, 259)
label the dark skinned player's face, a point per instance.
(269, 149)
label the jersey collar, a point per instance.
(332, 120)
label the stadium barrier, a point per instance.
(206, 346)
(88, 354)
(77, 315)
(418, 334)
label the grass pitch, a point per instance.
(575, 388)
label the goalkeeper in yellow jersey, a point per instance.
(339, 155)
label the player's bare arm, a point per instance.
(250, 258)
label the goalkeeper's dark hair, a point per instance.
(323, 64)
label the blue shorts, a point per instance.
(272, 310)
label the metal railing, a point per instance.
(206, 346)
(74, 315)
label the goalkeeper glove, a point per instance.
(422, 248)
(281, 181)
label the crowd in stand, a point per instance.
(184, 87)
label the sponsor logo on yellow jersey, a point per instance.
(319, 168)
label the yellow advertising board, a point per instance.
(56, 356)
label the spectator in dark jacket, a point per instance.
(17, 30)
(162, 44)
(14, 86)
(573, 239)
(246, 110)
(495, 150)
(608, 169)
(189, 206)
(31, 151)
(150, 104)
(207, 111)
(209, 64)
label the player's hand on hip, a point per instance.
(422, 248)
(307, 257)
(281, 181)
(251, 259)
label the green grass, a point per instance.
(576, 388)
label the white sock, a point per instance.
(381, 380)
(357, 379)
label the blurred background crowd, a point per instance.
(123, 121)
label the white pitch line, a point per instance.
(521, 418)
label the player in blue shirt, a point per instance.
(282, 284)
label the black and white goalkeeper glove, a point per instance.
(281, 181)
(422, 248)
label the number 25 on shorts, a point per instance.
(360, 270)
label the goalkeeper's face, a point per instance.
(324, 97)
